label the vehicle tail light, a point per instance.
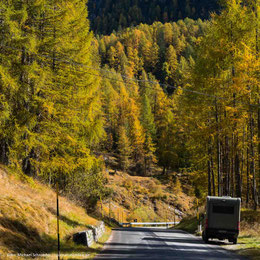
(238, 225)
(206, 223)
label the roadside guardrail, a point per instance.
(148, 223)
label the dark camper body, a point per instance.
(222, 218)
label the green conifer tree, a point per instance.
(148, 118)
(124, 149)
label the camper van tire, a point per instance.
(204, 237)
(235, 241)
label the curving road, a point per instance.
(159, 243)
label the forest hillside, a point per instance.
(167, 100)
(180, 93)
(108, 16)
(154, 112)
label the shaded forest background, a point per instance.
(178, 98)
(108, 15)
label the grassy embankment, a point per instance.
(249, 237)
(28, 221)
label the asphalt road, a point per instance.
(159, 243)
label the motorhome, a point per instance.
(222, 218)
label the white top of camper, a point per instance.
(223, 198)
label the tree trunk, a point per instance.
(258, 114)
(242, 164)
(258, 138)
(232, 177)
(218, 150)
(164, 170)
(247, 178)
(252, 162)
(213, 176)
(209, 167)
(226, 166)
(237, 176)
(4, 151)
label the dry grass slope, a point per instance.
(144, 199)
(28, 220)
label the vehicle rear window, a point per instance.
(223, 209)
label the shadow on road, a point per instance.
(155, 243)
(148, 230)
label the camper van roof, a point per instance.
(222, 198)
